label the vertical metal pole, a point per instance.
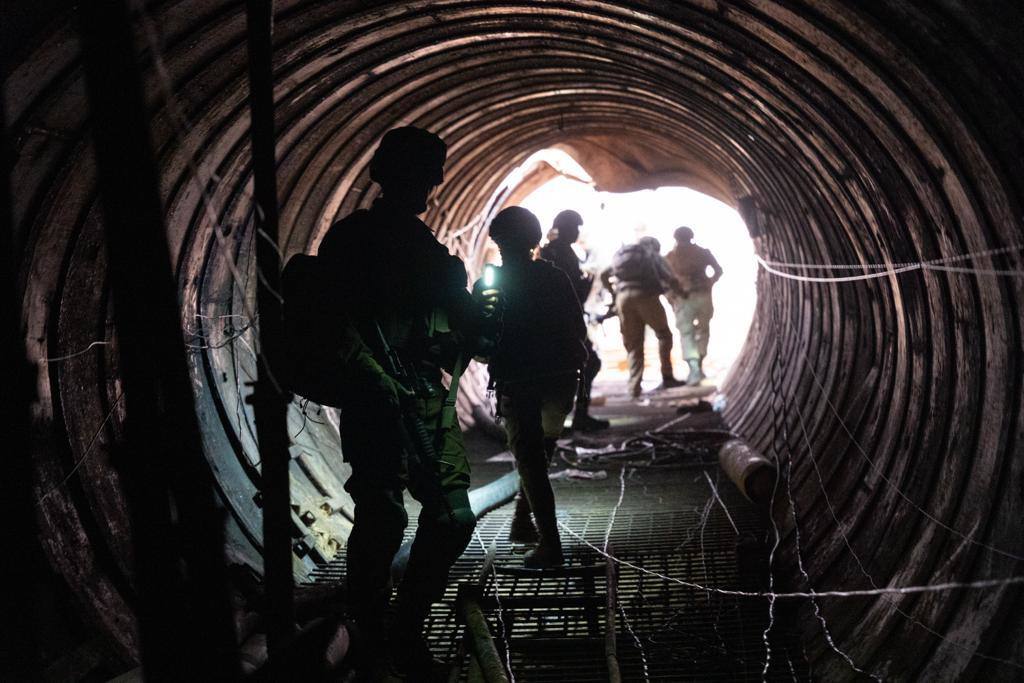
(270, 401)
(185, 623)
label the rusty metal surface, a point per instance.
(890, 130)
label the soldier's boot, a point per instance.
(408, 654)
(548, 552)
(367, 656)
(412, 661)
(376, 537)
(668, 380)
(582, 421)
(537, 486)
(668, 383)
(588, 423)
(696, 372)
(523, 530)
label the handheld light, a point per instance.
(490, 275)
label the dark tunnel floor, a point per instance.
(665, 520)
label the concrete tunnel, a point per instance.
(876, 134)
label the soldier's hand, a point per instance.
(489, 300)
(392, 394)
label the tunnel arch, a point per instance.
(878, 134)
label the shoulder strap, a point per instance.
(447, 417)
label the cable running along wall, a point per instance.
(866, 133)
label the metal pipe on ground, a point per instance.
(753, 474)
(502, 490)
(479, 633)
(482, 500)
(475, 673)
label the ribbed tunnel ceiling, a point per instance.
(889, 132)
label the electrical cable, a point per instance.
(889, 266)
(886, 270)
(686, 448)
(793, 595)
(69, 356)
(88, 449)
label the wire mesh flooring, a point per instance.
(663, 521)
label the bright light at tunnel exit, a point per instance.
(614, 219)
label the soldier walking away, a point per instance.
(534, 370)
(641, 276)
(565, 230)
(692, 306)
(410, 313)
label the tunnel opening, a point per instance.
(551, 180)
(877, 141)
(617, 219)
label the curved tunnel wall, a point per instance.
(880, 134)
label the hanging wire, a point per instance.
(878, 471)
(202, 179)
(778, 446)
(887, 270)
(796, 595)
(607, 537)
(76, 354)
(88, 449)
(497, 600)
(777, 398)
(860, 564)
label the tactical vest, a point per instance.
(634, 268)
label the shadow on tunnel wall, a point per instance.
(869, 133)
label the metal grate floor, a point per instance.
(669, 523)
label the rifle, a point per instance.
(420, 453)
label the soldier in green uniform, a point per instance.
(534, 370)
(692, 305)
(398, 285)
(641, 276)
(559, 251)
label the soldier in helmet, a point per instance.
(692, 306)
(564, 232)
(534, 370)
(400, 287)
(641, 276)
